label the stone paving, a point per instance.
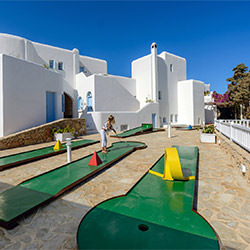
(223, 197)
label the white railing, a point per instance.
(245, 123)
(236, 130)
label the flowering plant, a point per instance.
(222, 100)
(209, 129)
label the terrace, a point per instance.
(223, 194)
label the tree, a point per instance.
(238, 93)
(239, 73)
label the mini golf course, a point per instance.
(154, 214)
(33, 155)
(144, 128)
(32, 193)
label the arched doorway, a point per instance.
(68, 106)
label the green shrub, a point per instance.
(67, 129)
(209, 129)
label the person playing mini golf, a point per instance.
(108, 125)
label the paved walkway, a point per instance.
(223, 193)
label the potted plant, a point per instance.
(62, 134)
(208, 135)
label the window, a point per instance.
(60, 65)
(52, 64)
(171, 68)
(176, 118)
(159, 95)
(124, 127)
(164, 120)
(81, 69)
(89, 102)
(171, 118)
(80, 103)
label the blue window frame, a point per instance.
(80, 103)
(60, 65)
(52, 64)
(89, 102)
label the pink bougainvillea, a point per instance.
(221, 100)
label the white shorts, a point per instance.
(104, 138)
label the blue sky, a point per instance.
(213, 36)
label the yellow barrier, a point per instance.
(172, 168)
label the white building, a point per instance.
(40, 83)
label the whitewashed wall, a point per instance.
(185, 102)
(128, 83)
(108, 92)
(93, 65)
(178, 74)
(163, 88)
(132, 119)
(1, 96)
(198, 99)
(191, 102)
(24, 101)
(83, 85)
(41, 54)
(110, 95)
(12, 46)
(141, 72)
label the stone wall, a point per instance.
(41, 133)
(238, 154)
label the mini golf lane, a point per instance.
(41, 189)
(144, 128)
(154, 214)
(25, 157)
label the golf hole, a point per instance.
(143, 227)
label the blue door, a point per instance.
(50, 106)
(154, 120)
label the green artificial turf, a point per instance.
(29, 155)
(144, 127)
(154, 214)
(17, 200)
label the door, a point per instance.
(154, 120)
(50, 106)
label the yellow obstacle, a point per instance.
(172, 168)
(58, 145)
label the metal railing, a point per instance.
(237, 131)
